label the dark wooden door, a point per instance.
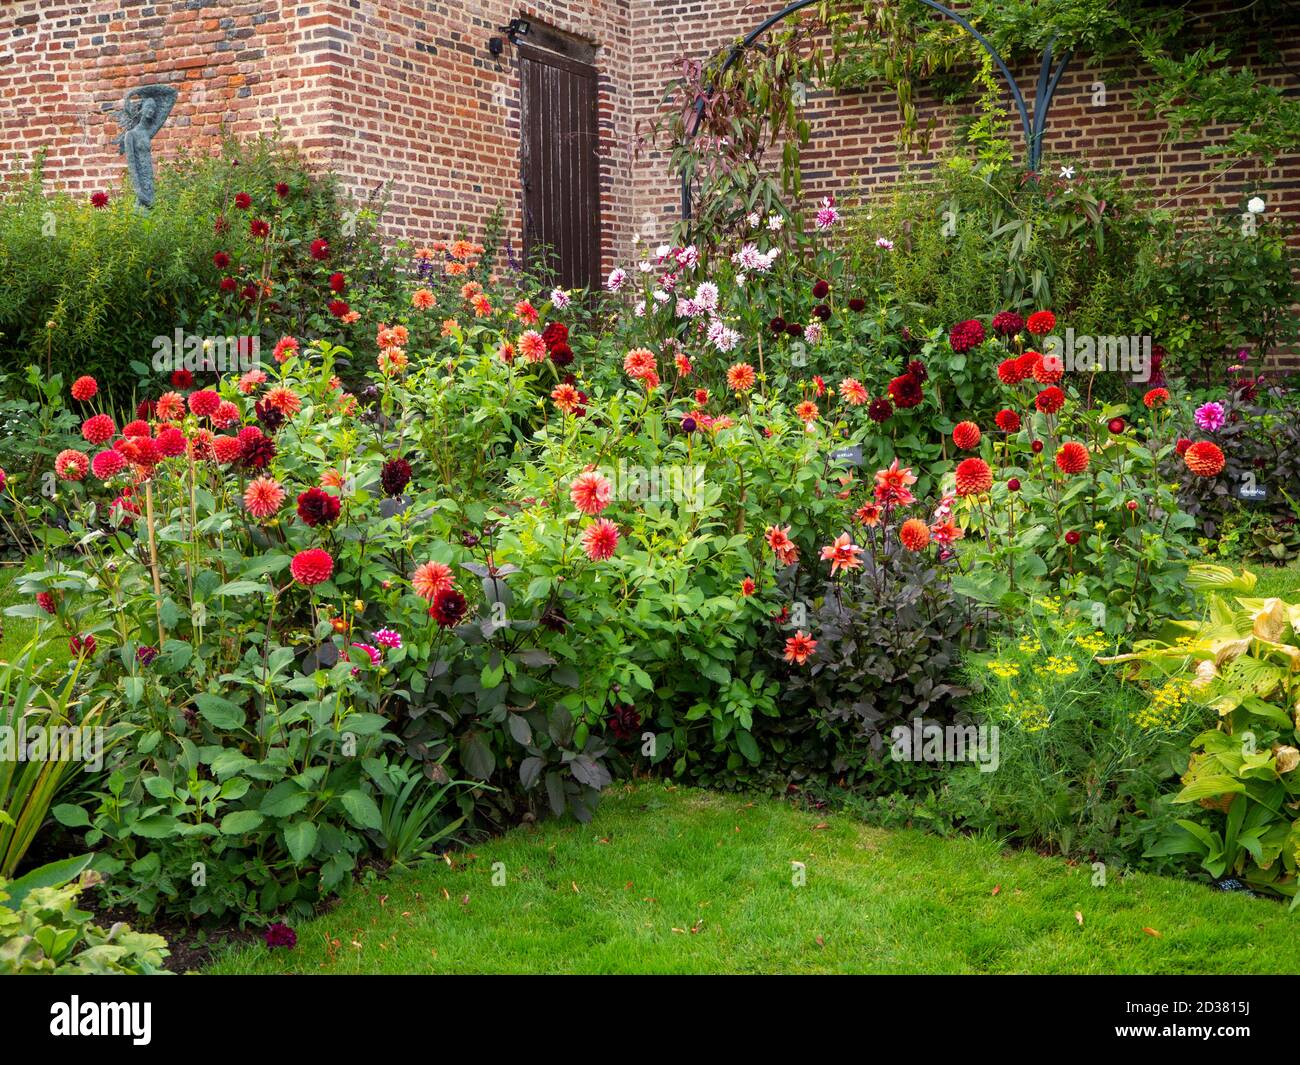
(560, 156)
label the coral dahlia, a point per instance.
(1050, 400)
(97, 429)
(966, 435)
(591, 492)
(741, 377)
(1204, 458)
(799, 648)
(263, 497)
(84, 388)
(107, 464)
(71, 465)
(599, 539)
(1041, 323)
(973, 477)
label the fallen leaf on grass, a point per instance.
(1078, 917)
(1153, 932)
(997, 889)
(820, 941)
(574, 884)
(821, 825)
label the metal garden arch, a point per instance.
(1032, 123)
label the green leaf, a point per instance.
(240, 822)
(300, 839)
(361, 809)
(218, 712)
(55, 874)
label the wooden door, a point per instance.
(560, 158)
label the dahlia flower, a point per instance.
(263, 497)
(312, 567)
(599, 539)
(591, 492)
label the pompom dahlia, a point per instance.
(1204, 458)
(71, 465)
(966, 435)
(1072, 457)
(914, 534)
(1210, 416)
(1041, 323)
(973, 477)
(204, 404)
(97, 429)
(312, 567)
(107, 464)
(1009, 372)
(84, 388)
(1008, 421)
(1050, 400)
(171, 442)
(905, 390)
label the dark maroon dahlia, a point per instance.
(555, 334)
(256, 449)
(448, 607)
(880, 410)
(280, 935)
(1007, 323)
(906, 391)
(966, 335)
(623, 722)
(917, 369)
(395, 475)
(777, 325)
(317, 507)
(271, 417)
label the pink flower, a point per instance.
(599, 540)
(312, 567)
(591, 492)
(842, 554)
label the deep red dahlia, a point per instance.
(906, 391)
(821, 290)
(317, 507)
(623, 722)
(338, 283)
(395, 475)
(448, 607)
(555, 333)
(171, 442)
(205, 403)
(880, 410)
(1182, 445)
(258, 228)
(99, 199)
(339, 308)
(182, 379)
(221, 260)
(966, 335)
(1008, 421)
(1007, 323)
(320, 249)
(243, 201)
(256, 449)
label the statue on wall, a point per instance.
(143, 113)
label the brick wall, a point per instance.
(406, 92)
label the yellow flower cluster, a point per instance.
(1030, 716)
(1004, 669)
(1093, 642)
(1059, 666)
(1029, 645)
(1166, 705)
(1051, 604)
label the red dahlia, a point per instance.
(554, 334)
(97, 429)
(1157, 397)
(966, 435)
(1050, 400)
(1041, 323)
(312, 566)
(317, 507)
(1072, 457)
(880, 410)
(1008, 421)
(966, 335)
(320, 249)
(973, 477)
(1009, 372)
(448, 607)
(84, 388)
(256, 449)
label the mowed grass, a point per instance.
(1280, 581)
(675, 880)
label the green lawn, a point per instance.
(683, 881)
(1283, 582)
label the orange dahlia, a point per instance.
(966, 435)
(1157, 397)
(973, 477)
(842, 553)
(741, 377)
(1204, 459)
(852, 391)
(799, 648)
(914, 534)
(1041, 323)
(430, 578)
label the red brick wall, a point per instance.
(407, 93)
